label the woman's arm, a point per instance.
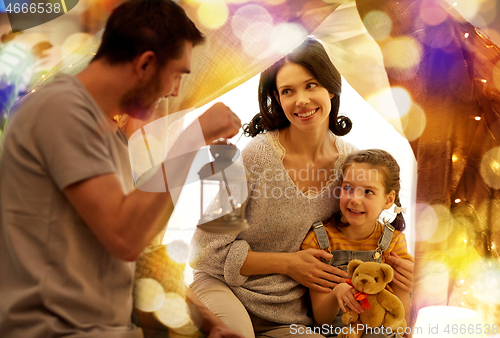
(326, 306)
(403, 272)
(303, 266)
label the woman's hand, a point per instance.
(403, 271)
(345, 296)
(306, 268)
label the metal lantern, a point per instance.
(224, 214)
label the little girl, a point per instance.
(370, 185)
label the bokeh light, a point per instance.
(213, 14)
(256, 40)
(467, 8)
(488, 283)
(402, 99)
(402, 52)
(174, 311)
(287, 36)
(178, 251)
(248, 15)
(73, 42)
(379, 24)
(414, 122)
(148, 294)
(490, 168)
(432, 13)
(433, 223)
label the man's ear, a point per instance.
(277, 97)
(390, 199)
(145, 64)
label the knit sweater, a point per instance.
(279, 216)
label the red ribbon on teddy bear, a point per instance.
(360, 296)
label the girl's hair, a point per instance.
(389, 167)
(312, 56)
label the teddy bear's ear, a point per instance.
(387, 271)
(353, 265)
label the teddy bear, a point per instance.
(381, 307)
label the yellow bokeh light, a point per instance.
(174, 312)
(490, 168)
(433, 280)
(287, 36)
(414, 122)
(402, 52)
(148, 294)
(454, 158)
(379, 24)
(213, 14)
(248, 15)
(467, 8)
(73, 42)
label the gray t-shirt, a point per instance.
(57, 279)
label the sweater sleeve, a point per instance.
(222, 256)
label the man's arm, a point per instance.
(126, 224)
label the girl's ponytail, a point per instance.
(399, 222)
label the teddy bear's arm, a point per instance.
(396, 312)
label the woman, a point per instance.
(256, 281)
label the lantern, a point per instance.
(225, 213)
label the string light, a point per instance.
(454, 158)
(477, 118)
(483, 81)
(466, 35)
(458, 200)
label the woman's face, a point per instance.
(305, 102)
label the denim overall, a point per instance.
(341, 258)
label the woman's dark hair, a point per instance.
(137, 26)
(312, 56)
(388, 165)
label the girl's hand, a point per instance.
(306, 268)
(345, 296)
(403, 271)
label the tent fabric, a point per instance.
(455, 92)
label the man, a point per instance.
(70, 218)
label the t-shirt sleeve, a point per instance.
(310, 241)
(399, 246)
(71, 139)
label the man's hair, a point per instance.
(137, 26)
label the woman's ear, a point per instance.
(277, 97)
(390, 199)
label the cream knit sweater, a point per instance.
(279, 217)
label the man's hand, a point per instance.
(219, 122)
(306, 268)
(403, 271)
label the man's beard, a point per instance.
(140, 102)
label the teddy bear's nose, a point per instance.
(364, 281)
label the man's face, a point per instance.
(140, 101)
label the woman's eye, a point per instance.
(285, 92)
(311, 85)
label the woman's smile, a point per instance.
(306, 113)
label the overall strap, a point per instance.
(320, 232)
(385, 239)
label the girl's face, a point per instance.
(363, 195)
(305, 102)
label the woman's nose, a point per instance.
(302, 99)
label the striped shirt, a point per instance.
(339, 242)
